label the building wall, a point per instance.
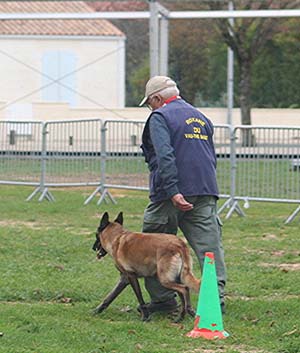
(99, 76)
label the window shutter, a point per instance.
(55, 65)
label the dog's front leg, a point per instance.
(137, 290)
(121, 285)
(190, 309)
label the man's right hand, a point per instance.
(180, 202)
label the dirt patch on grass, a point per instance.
(240, 349)
(278, 253)
(283, 267)
(43, 226)
(269, 236)
(10, 222)
(276, 296)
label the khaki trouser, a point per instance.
(201, 227)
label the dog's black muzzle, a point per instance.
(101, 252)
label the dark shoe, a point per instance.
(223, 310)
(163, 307)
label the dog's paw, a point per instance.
(146, 318)
(177, 319)
(97, 310)
(143, 309)
(191, 311)
(94, 312)
(176, 315)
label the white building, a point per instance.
(81, 62)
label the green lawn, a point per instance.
(50, 281)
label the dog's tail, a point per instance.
(187, 276)
(191, 281)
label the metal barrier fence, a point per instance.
(125, 164)
(265, 166)
(255, 163)
(20, 152)
(54, 153)
(222, 140)
(71, 153)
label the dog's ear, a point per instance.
(119, 219)
(104, 220)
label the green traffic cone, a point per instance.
(208, 322)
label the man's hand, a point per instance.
(180, 202)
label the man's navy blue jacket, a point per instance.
(178, 146)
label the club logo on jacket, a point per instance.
(196, 134)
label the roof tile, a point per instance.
(133, 5)
(86, 27)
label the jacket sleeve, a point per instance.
(160, 137)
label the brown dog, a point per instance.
(144, 255)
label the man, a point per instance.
(177, 143)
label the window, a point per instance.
(56, 65)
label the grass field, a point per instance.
(50, 281)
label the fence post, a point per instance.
(232, 202)
(101, 188)
(45, 193)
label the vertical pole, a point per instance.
(154, 38)
(43, 156)
(45, 193)
(230, 74)
(164, 46)
(233, 165)
(103, 156)
(103, 190)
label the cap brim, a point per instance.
(143, 101)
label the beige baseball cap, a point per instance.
(156, 84)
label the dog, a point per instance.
(144, 255)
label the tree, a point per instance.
(276, 79)
(247, 37)
(192, 63)
(189, 58)
(197, 53)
